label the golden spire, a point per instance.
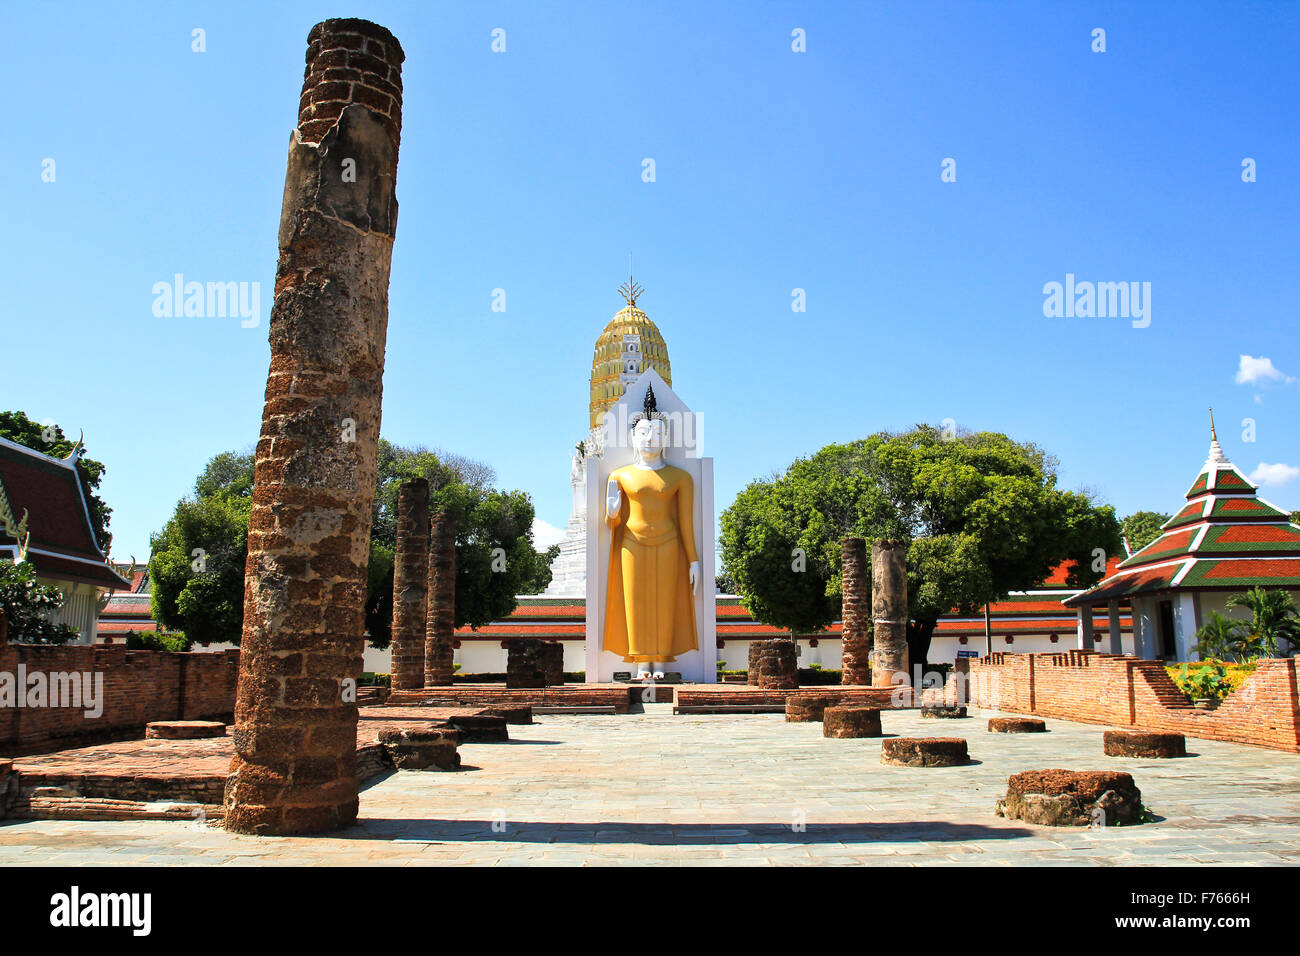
(1213, 436)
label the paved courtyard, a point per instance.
(652, 788)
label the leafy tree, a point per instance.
(1273, 617)
(1141, 528)
(50, 440)
(495, 558)
(26, 605)
(197, 568)
(980, 513)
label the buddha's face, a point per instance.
(648, 438)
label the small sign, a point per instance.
(968, 653)
(622, 676)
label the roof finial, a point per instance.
(630, 291)
(1213, 436)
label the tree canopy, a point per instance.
(980, 513)
(1141, 528)
(50, 440)
(202, 594)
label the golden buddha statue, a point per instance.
(654, 568)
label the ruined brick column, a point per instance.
(410, 584)
(440, 627)
(294, 769)
(889, 613)
(855, 611)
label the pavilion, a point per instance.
(1224, 540)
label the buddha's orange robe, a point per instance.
(650, 610)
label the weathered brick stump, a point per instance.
(805, 709)
(775, 664)
(851, 722)
(924, 752)
(943, 711)
(183, 729)
(512, 715)
(481, 728)
(1072, 798)
(422, 749)
(1137, 743)
(5, 767)
(1016, 725)
(532, 663)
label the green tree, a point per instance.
(980, 513)
(26, 606)
(495, 557)
(1141, 528)
(1273, 618)
(196, 568)
(50, 440)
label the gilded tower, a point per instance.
(630, 344)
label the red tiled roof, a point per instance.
(62, 543)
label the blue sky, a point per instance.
(775, 170)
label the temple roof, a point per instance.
(1226, 536)
(58, 539)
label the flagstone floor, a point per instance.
(652, 788)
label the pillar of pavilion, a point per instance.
(889, 665)
(855, 612)
(440, 625)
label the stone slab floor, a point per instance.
(652, 788)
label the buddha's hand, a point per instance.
(695, 577)
(613, 498)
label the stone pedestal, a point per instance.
(776, 663)
(924, 752)
(533, 663)
(889, 656)
(183, 729)
(1016, 725)
(410, 584)
(849, 721)
(1071, 798)
(295, 769)
(481, 728)
(1138, 743)
(422, 749)
(855, 611)
(806, 709)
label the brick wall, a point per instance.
(138, 687)
(1095, 688)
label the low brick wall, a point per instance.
(137, 687)
(1095, 688)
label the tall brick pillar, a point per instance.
(440, 628)
(889, 613)
(294, 769)
(410, 584)
(855, 604)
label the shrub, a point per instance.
(173, 641)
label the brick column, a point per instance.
(855, 611)
(440, 626)
(889, 613)
(294, 769)
(410, 584)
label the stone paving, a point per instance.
(656, 789)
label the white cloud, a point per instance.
(545, 535)
(1278, 474)
(1252, 371)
